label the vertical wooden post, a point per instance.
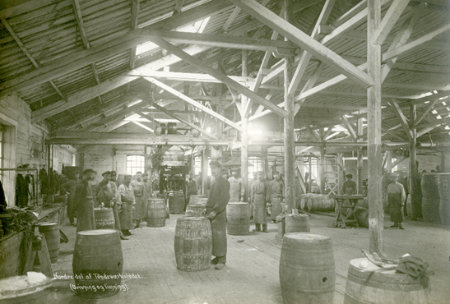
(322, 168)
(267, 174)
(310, 174)
(204, 170)
(359, 155)
(388, 161)
(340, 172)
(412, 162)
(376, 214)
(443, 165)
(244, 133)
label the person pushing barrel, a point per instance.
(218, 198)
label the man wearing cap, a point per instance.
(258, 196)
(396, 199)
(235, 187)
(127, 199)
(218, 198)
(84, 201)
(275, 195)
(138, 189)
(349, 187)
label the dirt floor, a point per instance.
(251, 274)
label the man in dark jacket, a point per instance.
(218, 198)
(84, 201)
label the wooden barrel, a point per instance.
(281, 226)
(297, 223)
(10, 254)
(195, 210)
(367, 284)
(193, 243)
(238, 219)
(444, 196)
(197, 200)
(304, 201)
(320, 202)
(156, 212)
(104, 218)
(177, 202)
(430, 198)
(307, 273)
(51, 234)
(97, 262)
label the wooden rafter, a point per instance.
(402, 117)
(303, 40)
(390, 18)
(231, 19)
(219, 75)
(427, 110)
(85, 57)
(306, 56)
(134, 25)
(350, 128)
(182, 120)
(22, 47)
(429, 128)
(191, 101)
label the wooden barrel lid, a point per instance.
(46, 224)
(306, 236)
(98, 232)
(191, 218)
(237, 203)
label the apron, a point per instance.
(139, 211)
(259, 211)
(219, 236)
(126, 212)
(395, 207)
(275, 200)
(85, 215)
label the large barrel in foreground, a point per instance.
(193, 243)
(367, 284)
(104, 218)
(97, 263)
(51, 234)
(307, 273)
(156, 212)
(238, 219)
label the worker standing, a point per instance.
(396, 199)
(138, 190)
(218, 198)
(127, 199)
(258, 198)
(235, 187)
(275, 195)
(83, 201)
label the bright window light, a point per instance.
(134, 103)
(444, 103)
(427, 102)
(447, 127)
(145, 47)
(434, 112)
(438, 117)
(195, 27)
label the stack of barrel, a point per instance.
(307, 272)
(430, 198)
(50, 232)
(444, 194)
(176, 202)
(193, 243)
(316, 202)
(238, 218)
(197, 206)
(156, 212)
(97, 263)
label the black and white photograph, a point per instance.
(224, 151)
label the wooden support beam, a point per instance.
(303, 40)
(231, 19)
(217, 40)
(390, 18)
(182, 120)
(191, 101)
(350, 128)
(142, 126)
(402, 117)
(350, 13)
(245, 105)
(134, 25)
(87, 94)
(413, 170)
(22, 47)
(427, 110)
(80, 23)
(219, 75)
(428, 129)
(305, 57)
(413, 44)
(82, 58)
(375, 191)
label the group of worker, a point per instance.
(126, 197)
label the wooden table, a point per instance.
(345, 209)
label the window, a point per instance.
(255, 165)
(135, 163)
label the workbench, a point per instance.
(345, 209)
